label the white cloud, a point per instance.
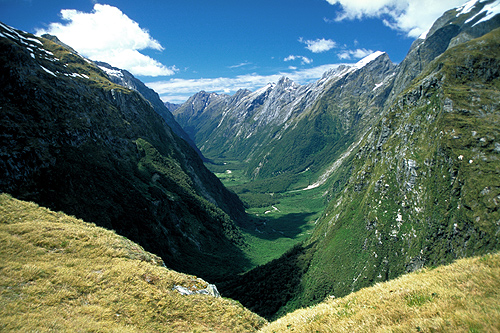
(240, 64)
(318, 45)
(356, 54)
(179, 90)
(410, 16)
(107, 34)
(303, 59)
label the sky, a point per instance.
(181, 47)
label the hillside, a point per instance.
(61, 273)
(58, 273)
(72, 140)
(461, 297)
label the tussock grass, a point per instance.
(58, 273)
(461, 297)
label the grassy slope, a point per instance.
(461, 297)
(58, 273)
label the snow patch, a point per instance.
(112, 72)
(13, 34)
(424, 34)
(466, 8)
(366, 60)
(48, 71)
(491, 10)
(378, 85)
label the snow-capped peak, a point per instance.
(366, 60)
(465, 8)
(491, 10)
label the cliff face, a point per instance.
(74, 141)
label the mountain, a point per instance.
(74, 141)
(172, 106)
(127, 80)
(285, 128)
(407, 156)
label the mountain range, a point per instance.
(407, 155)
(405, 159)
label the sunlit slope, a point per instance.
(58, 273)
(461, 297)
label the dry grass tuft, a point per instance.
(461, 297)
(58, 273)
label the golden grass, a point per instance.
(461, 297)
(58, 273)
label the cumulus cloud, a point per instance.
(179, 90)
(303, 59)
(356, 54)
(318, 45)
(107, 34)
(410, 16)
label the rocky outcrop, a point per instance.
(210, 290)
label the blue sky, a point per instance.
(181, 47)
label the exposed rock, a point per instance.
(210, 290)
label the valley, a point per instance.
(278, 221)
(366, 200)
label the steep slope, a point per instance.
(425, 183)
(127, 80)
(421, 188)
(72, 140)
(61, 274)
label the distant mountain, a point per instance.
(285, 128)
(171, 106)
(407, 155)
(72, 140)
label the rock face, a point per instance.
(210, 290)
(72, 140)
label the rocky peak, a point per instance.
(455, 26)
